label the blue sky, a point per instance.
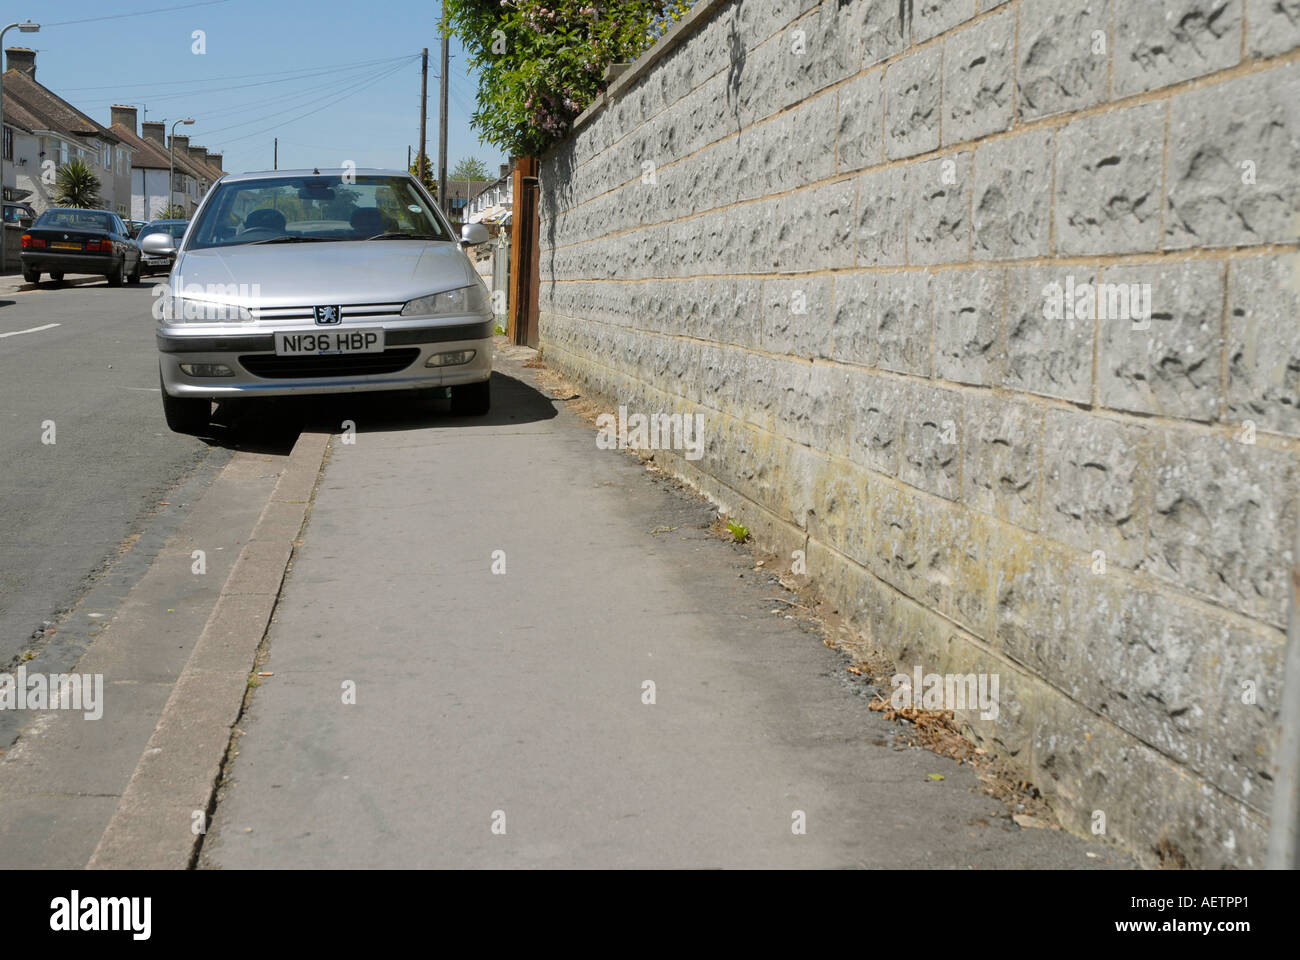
(334, 80)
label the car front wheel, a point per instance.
(134, 276)
(185, 414)
(471, 399)
(118, 276)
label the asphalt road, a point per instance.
(68, 507)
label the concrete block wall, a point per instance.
(844, 232)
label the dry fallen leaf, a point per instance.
(1025, 820)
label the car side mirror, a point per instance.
(158, 244)
(472, 234)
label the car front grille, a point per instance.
(272, 367)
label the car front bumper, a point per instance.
(240, 348)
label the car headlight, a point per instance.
(450, 303)
(187, 309)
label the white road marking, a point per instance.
(18, 333)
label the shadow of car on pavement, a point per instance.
(272, 425)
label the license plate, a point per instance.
(65, 246)
(329, 341)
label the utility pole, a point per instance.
(424, 112)
(275, 156)
(442, 119)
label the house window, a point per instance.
(9, 144)
(106, 156)
(63, 153)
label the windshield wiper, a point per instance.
(404, 236)
(289, 239)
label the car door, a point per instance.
(131, 249)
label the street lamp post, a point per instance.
(171, 163)
(25, 27)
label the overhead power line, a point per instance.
(350, 93)
(137, 13)
(300, 73)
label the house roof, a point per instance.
(214, 172)
(42, 109)
(144, 153)
(150, 155)
(17, 115)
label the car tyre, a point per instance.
(56, 276)
(32, 276)
(472, 399)
(134, 275)
(190, 415)
(118, 276)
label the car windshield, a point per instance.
(75, 220)
(318, 208)
(174, 228)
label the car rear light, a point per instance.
(99, 246)
(30, 241)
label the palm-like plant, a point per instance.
(76, 186)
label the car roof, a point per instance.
(164, 221)
(314, 172)
(77, 210)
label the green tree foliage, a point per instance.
(76, 186)
(471, 168)
(173, 212)
(429, 180)
(542, 62)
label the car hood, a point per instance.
(304, 274)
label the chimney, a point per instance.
(123, 115)
(214, 160)
(505, 170)
(156, 131)
(22, 59)
(200, 154)
(181, 145)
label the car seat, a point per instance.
(264, 218)
(367, 221)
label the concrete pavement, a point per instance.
(460, 665)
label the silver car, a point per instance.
(308, 282)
